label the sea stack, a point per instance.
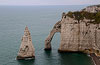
(26, 50)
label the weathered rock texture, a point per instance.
(56, 28)
(79, 35)
(26, 49)
(76, 35)
(92, 9)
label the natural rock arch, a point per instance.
(56, 28)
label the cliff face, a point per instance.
(78, 32)
(79, 35)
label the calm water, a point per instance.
(40, 20)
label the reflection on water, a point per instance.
(55, 58)
(48, 54)
(40, 20)
(26, 62)
(74, 59)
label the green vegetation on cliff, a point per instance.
(80, 15)
(97, 5)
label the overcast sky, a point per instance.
(48, 2)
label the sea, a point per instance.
(40, 20)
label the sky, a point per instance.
(49, 2)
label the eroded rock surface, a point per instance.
(78, 33)
(92, 9)
(26, 50)
(56, 28)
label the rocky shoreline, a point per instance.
(96, 60)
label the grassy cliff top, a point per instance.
(96, 5)
(86, 13)
(80, 15)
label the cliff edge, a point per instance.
(79, 30)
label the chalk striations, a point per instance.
(78, 32)
(79, 36)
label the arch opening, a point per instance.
(56, 28)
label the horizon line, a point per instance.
(48, 5)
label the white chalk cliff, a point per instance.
(26, 50)
(77, 35)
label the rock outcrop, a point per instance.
(26, 49)
(78, 32)
(56, 28)
(92, 9)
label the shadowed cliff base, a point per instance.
(25, 58)
(68, 51)
(48, 49)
